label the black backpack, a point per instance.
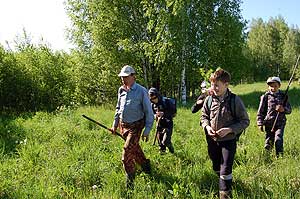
(171, 104)
(232, 110)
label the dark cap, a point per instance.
(153, 92)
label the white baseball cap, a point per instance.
(204, 84)
(126, 71)
(273, 79)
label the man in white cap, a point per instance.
(200, 100)
(133, 113)
(272, 102)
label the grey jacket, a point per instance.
(219, 116)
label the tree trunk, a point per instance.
(145, 73)
(183, 87)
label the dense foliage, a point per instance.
(161, 38)
(34, 78)
(273, 48)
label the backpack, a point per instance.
(231, 107)
(170, 103)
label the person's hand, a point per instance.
(210, 91)
(261, 128)
(159, 114)
(145, 138)
(199, 101)
(279, 108)
(210, 131)
(113, 130)
(223, 132)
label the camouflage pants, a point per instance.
(132, 151)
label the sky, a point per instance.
(47, 18)
(288, 9)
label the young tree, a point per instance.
(268, 44)
(166, 41)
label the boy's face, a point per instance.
(274, 86)
(219, 88)
(153, 99)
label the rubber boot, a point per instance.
(146, 167)
(171, 148)
(162, 150)
(225, 194)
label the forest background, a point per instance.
(173, 44)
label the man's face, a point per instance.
(273, 87)
(219, 88)
(153, 99)
(128, 80)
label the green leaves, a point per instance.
(273, 46)
(160, 38)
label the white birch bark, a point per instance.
(183, 87)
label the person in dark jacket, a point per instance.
(271, 104)
(163, 112)
(222, 128)
(200, 100)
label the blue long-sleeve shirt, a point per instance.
(134, 105)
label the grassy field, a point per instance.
(62, 155)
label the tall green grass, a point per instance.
(62, 155)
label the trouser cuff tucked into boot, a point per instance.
(130, 180)
(225, 184)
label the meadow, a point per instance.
(63, 155)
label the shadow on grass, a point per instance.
(208, 183)
(160, 177)
(185, 160)
(11, 134)
(245, 191)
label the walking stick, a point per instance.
(103, 126)
(285, 95)
(156, 134)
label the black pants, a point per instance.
(222, 154)
(165, 131)
(274, 137)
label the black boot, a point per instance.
(129, 181)
(146, 167)
(171, 148)
(162, 150)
